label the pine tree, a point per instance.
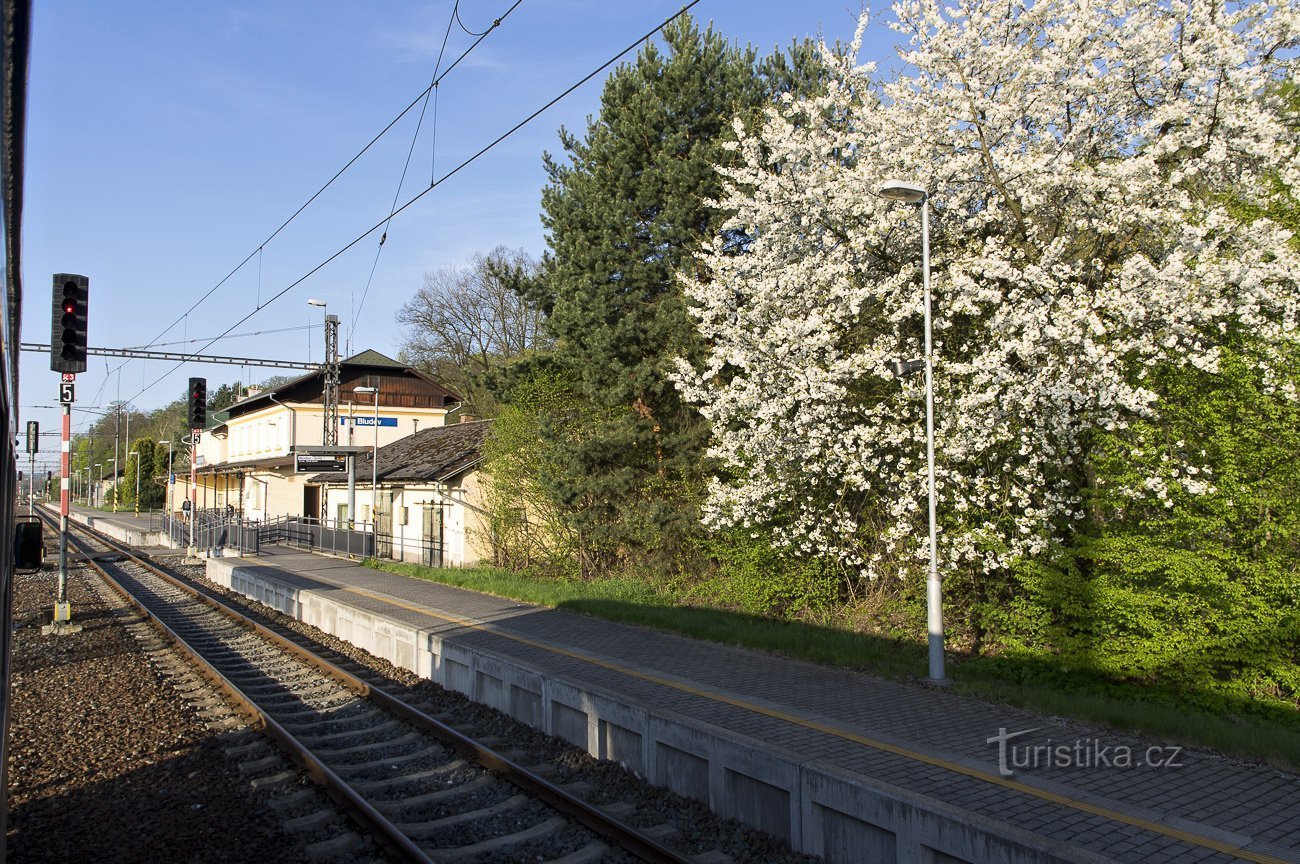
(626, 208)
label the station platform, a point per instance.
(147, 529)
(841, 764)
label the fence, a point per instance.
(320, 535)
(215, 529)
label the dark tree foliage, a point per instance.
(224, 396)
(625, 208)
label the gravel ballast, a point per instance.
(106, 761)
(112, 759)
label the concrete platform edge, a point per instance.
(814, 805)
(129, 536)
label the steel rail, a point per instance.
(334, 786)
(625, 836)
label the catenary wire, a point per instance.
(434, 185)
(419, 123)
(327, 184)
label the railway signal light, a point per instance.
(69, 323)
(198, 403)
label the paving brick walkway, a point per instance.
(1203, 807)
(124, 518)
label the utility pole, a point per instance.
(197, 416)
(33, 444)
(126, 445)
(117, 440)
(62, 612)
(331, 394)
(68, 332)
(171, 483)
(352, 473)
(194, 479)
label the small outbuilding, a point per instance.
(429, 492)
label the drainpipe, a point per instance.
(293, 442)
(293, 421)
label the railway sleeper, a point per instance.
(418, 830)
(539, 831)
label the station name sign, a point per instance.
(359, 421)
(320, 463)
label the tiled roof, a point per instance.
(368, 358)
(434, 454)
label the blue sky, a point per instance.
(167, 140)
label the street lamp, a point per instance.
(374, 457)
(913, 193)
(315, 301)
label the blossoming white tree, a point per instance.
(1080, 155)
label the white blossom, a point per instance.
(1078, 156)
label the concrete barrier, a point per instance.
(847, 818)
(130, 536)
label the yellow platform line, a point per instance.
(915, 755)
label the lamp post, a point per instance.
(171, 482)
(913, 193)
(315, 301)
(374, 454)
(117, 441)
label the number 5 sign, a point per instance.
(66, 393)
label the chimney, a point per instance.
(467, 418)
(251, 392)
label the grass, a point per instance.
(1246, 728)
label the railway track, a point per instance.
(426, 791)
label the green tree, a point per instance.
(224, 396)
(526, 529)
(139, 473)
(466, 322)
(625, 208)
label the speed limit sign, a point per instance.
(67, 392)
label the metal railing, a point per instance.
(217, 529)
(320, 535)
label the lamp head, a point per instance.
(905, 368)
(902, 190)
(315, 302)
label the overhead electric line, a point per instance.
(229, 336)
(435, 184)
(415, 137)
(496, 23)
(140, 354)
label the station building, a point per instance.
(430, 493)
(246, 461)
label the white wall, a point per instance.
(461, 521)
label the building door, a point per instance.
(311, 502)
(432, 544)
(383, 515)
